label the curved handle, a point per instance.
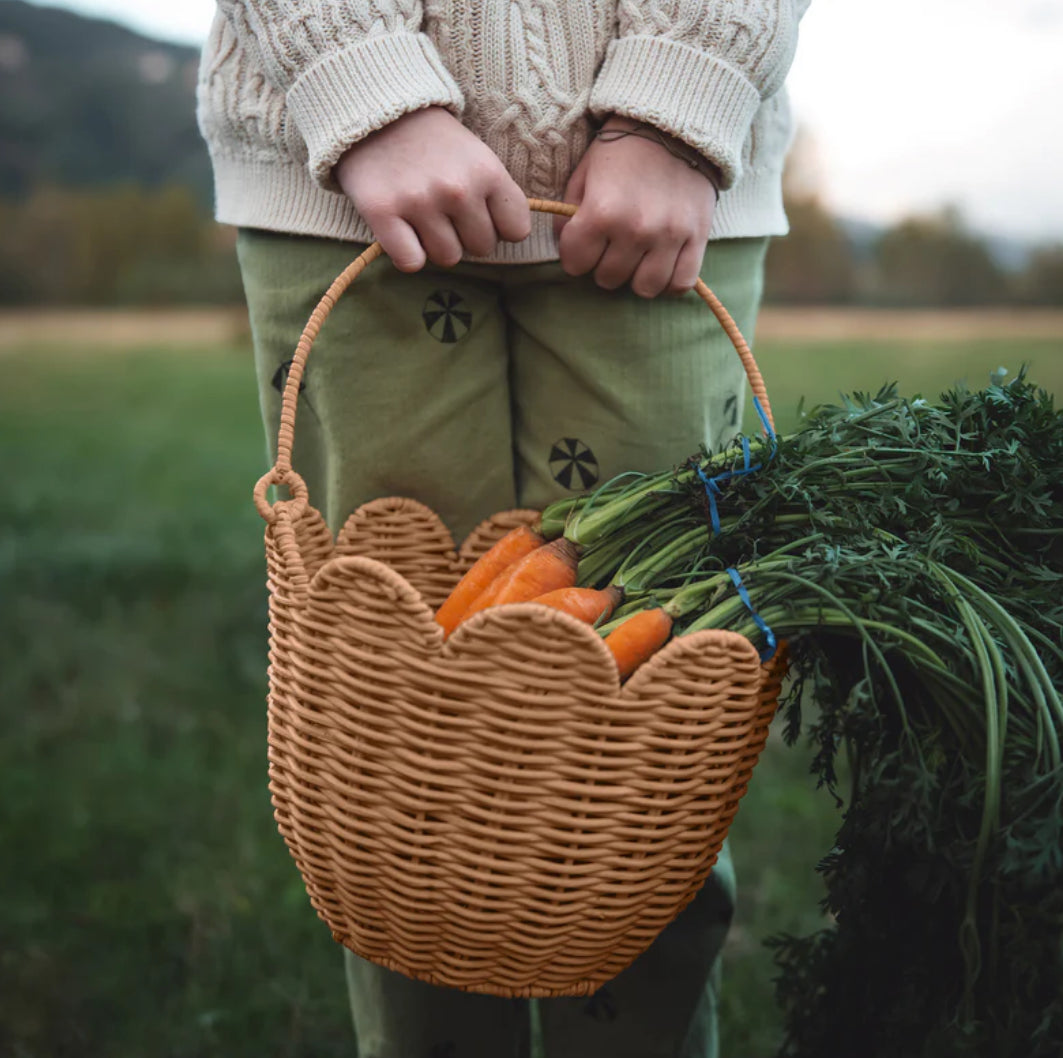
(282, 472)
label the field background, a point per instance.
(147, 905)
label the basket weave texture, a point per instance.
(495, 812)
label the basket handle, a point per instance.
(282, 472)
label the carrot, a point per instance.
(548, 568)
(585, 604)
(638, 638)
(509, 549)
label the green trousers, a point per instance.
(474, 390)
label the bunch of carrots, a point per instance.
(523, 567)
(911, 554)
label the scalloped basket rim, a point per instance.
(482, 622)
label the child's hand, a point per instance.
(644, 216)
(428, 187)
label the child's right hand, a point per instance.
(429, 188)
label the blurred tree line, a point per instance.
(125, 245)
(922, 261)
(130, 245)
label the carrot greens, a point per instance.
(911, 553)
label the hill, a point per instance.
(88, 103)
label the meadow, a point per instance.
(148, 908)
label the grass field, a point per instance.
(147, 906)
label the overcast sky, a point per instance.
(910, 103)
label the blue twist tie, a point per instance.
(713, 492)
(712, 485)
(769, 650)
(769, 430)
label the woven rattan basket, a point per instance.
(494, 813)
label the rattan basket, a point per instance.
(494, 813)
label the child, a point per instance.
(502, 358)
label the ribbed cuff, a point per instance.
(682, 91)
(280, 196)
(360, 89)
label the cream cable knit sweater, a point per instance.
(286, 86)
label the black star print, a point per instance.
(573, 464)
(445, 318)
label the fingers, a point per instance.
(450, 222)
(620, 248)
(654, 274)
(687, 267)
(509, 212)
(401, 243)
(439, 228)
(440, 238)
(475, 229)
(489, 206)
(655, 254)
(653, 264)
(618, 265)
(468, 220)
(581, 246)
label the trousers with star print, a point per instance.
(481, 388)
(478, 389)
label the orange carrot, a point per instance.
(509, 549)
(585, 604)
(547, 568)
(638, 638)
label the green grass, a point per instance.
(148, 907)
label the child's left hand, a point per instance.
(644, 218)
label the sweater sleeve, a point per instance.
(699, 69)
(347, 67)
